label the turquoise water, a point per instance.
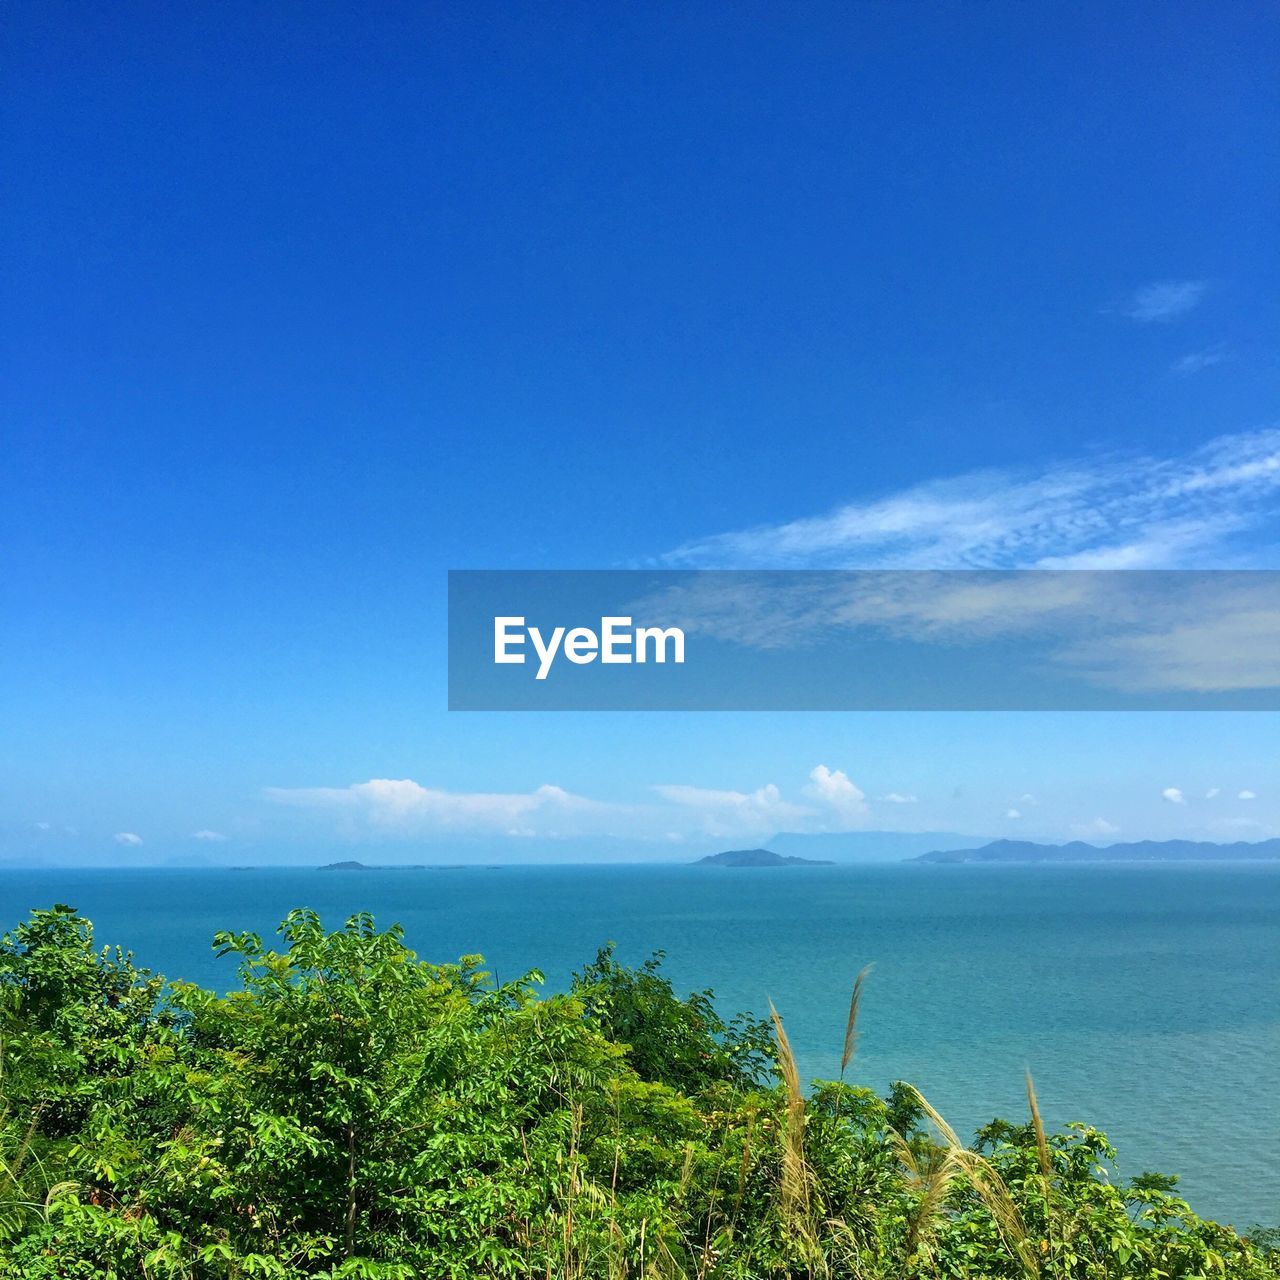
(1145, 1000)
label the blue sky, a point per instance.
(307, 308)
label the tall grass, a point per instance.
(851, 1023)
(957, 1161)
(794, 1183)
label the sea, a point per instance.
(1144, 1000)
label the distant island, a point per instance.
(360, 866)
(758, 858)
(1136, 851)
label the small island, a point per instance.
(351, 865)
(758, 858)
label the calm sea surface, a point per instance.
(1145, 1000)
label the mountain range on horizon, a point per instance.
(1028, 851)
(841, 848)
(845, 847)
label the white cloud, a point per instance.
(832, 788)
(737, 813)
(898, 797)
(1196, 361)
(130, 838)
(43, 826)
(402, 806)
(213, 837)
(833, 802)
(1137, 633)
(1213, 636)
(1097, 827)
(1213, 793)
(1179, 511)
(1247, 795)
(1163, 300)
(830, 801)
(1012, 813)
(1174, 795)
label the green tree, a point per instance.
(351, 1111)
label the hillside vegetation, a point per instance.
(353, 1111)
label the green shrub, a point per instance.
(353, 1111)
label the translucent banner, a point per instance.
(636, 640)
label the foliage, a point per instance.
(351, 1111)
(682, 1043)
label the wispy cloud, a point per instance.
(1163, 300)
(402, 806)
(129, 838)
(1149, 633)
(734, 814)
(1191, 510)
(211, 837)
(1195, 361)
(1174, 795)
(1212, 637)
